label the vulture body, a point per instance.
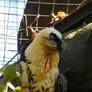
(38, 64)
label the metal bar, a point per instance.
(52, 3)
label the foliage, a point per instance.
(9, 74)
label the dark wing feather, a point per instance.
(61, 84)
(77, 61)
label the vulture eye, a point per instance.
(52, 37)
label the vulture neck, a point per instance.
(41, 55)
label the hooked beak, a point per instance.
(61, 45)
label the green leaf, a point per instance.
(18, 88)
(1, 71)
(2, 86)
(17, 74)
(9, 73)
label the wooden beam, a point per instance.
(76, 19)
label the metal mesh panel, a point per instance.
(37, 15)
(11, 12)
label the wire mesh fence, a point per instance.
(37, 15)
(11, 12)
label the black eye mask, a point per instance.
(57, 40)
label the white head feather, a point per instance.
(49, 30)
